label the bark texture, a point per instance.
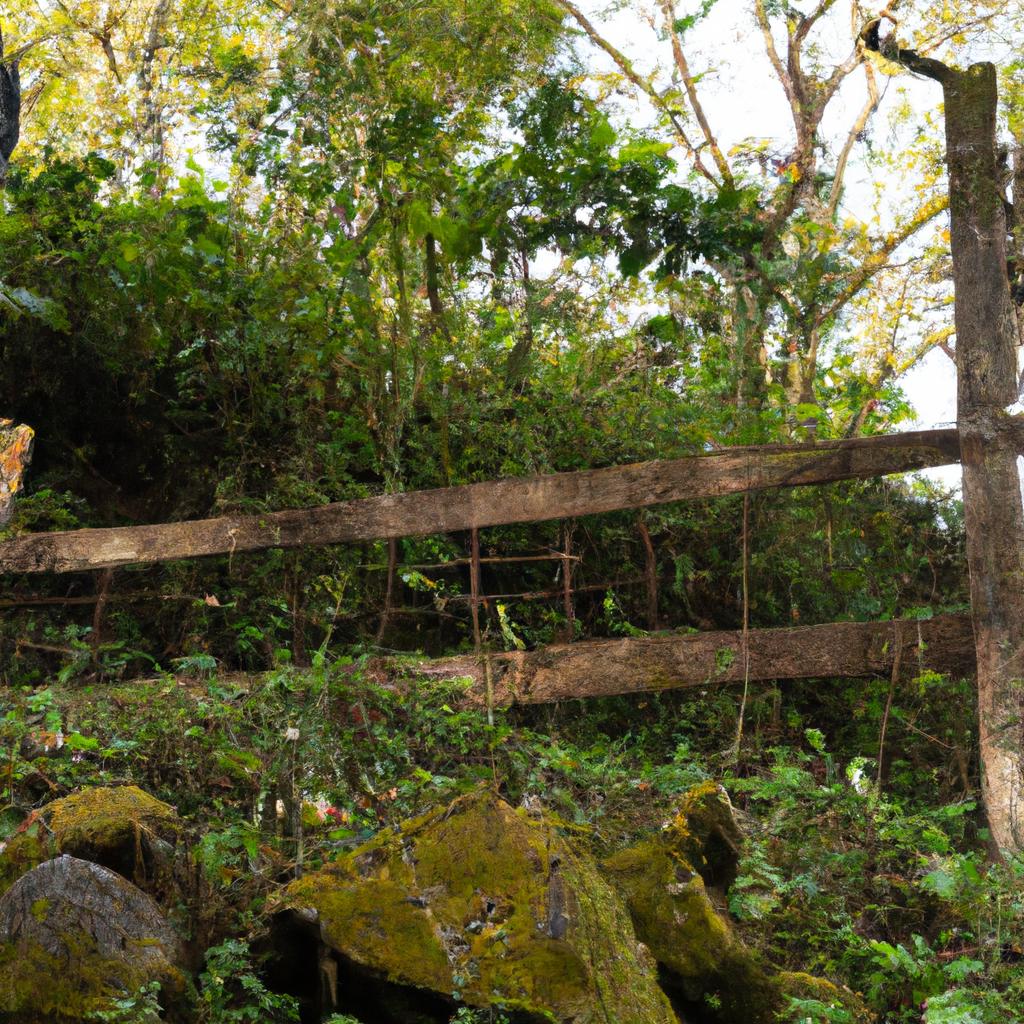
(986, 331)
(10, 110)
(986, 357)
(605, 668)
(501, 502)
(73, 936)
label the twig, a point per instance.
(651, 565)
(388, 593)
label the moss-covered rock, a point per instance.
(674, 917)
(121, 828)
(74, 936)
(28, 847)
(705, 832)
(493, 904)
(665, 881)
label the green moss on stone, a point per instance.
(22, 853)
(675, 918)
(806, 986)
(487, 901)
(100, 821)
(120, 827)
(37, 987)
(661, 881)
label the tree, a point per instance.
(790, 297)
(987, 339)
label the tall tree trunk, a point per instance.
(986, 331)
(986, 356)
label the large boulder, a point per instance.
(668, 882)
(476, 902)
(121, 828)
(74, 936)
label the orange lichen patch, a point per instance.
(15, 455)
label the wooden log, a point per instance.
(495, 503)
(605, 668)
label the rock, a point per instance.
(674, 917)
(704, 830)
(121, 828)
(74, 936)
(30, 845)
(665, 882)
(484, 902)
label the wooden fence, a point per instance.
(589, 668)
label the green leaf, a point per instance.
(76, 741)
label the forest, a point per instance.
(510, 512)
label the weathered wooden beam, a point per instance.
(495, 503)
(606, 668)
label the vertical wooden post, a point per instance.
(389, 592)
(474, 602)
(293, 581)
(986, 351)
(105, 578)
(567, 601)
(650, 573)
(986, 362)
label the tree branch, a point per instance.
(773, 56)
(657, 100)
(668, 10)
(880, 258)
(858, 126)
(910, 59)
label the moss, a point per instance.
(675, 918)
(486, 901)
(122, 828)
(22, 853)
(661, 881)
(37, 987)
(670, 908)
(704, 832)
(97, 822)
(806, 986)
(376, 925)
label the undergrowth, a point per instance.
(884, 886)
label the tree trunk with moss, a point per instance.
(986, 333)
(987, 338)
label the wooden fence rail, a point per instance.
(494, 503)
(604, 668)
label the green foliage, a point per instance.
(465, 1015)
(141, 1008)
(814, 1011)
(230, 990)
